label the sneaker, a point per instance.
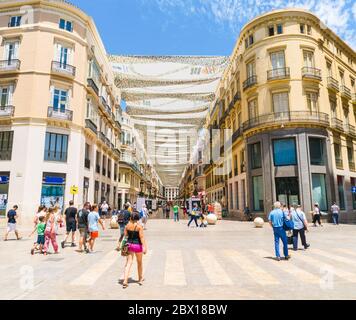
(278, 258)
(73, 245)
(287, 257)
(86, 250)
(62, 244)
(307, 246)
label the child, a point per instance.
(40, 228)
(204, 223)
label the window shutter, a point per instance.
(16, 50)
(51, 90)
(10, 96)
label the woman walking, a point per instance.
(316, 215)
(136, 247)
(50, 232)
(93, 220)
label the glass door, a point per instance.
(278, 64)
(287, 190)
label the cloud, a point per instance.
(231, 15)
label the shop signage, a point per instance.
(53, 180)
(4, 179)
(74, 190)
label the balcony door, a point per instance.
(308, 57)
(11, 52)
(280, 104)
(6, 96)
(278, 64)
(251, 69)
(60, 100)
(62, 55)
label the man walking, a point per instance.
(168, 210)
(123, 219)
(71, 223)
(276, 220)
(176, 212)
(300, 226)
(104, 210)
(82, 218)
(335, 210)
(11, 223)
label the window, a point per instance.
(319, 191)
(251, 69)
(271, 31)
(284, 152)
(257, 185)
(235, 165)
(312, 101)
(231, 195)
(246, 43)
(63, 55)
(342, 78)
(11, 50)
(302, 28)
(317, 151)
(56, 147)
(236, 195)
(341, 192)
(350, 153)
(279, 29)
(280, 103)
(87, 156)
(250, 39)
(308, 57)
(255, 153)
(252, 109)
(15, 21)
(277, 61)
(353, 184)
(60, 100)
(6, 139)
(66, 25)
(6, 93)
(333, 108)
(338, 156)
(309, 29)
(328, 67)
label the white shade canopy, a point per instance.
(168, 98)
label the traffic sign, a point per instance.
(74, 190)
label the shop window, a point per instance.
(341, 192)
(317, 151)
(56, 147)
(353, 184)
(6, 140)
(319, 191)
(284, 152)
(256, 157)
(257, 185)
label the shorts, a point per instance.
(41, 239)
(11, 227)
(83, 232)
(71, 226)
(94, 234)
(135, 247)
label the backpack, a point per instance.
(120, 217)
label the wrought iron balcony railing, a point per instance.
(352, 165)
(339, 164)
(91, 125)
(92, 84)
(345, 92)
(7, 111)
(349, 129)
(59, 114)
(311, 73)
(287, 117)
(10, 65)
(63, 68)
(249, 82)
(337, 124)
(278, 73)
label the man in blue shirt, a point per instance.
(300, 226)
(11, 223)
(276, 219)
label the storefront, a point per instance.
(4, 189)
(53, 190)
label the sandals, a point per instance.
(140, 282)
(125, 285)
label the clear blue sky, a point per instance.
(197, 27)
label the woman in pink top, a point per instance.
(50, 232)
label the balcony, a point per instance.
(352, 166)
(92, 85)
(337, 124)
(55, 113)
(279, 118)
(237, 96)
(103, 102)
(91, 125)
(63, 69)
(236, 134)
(311, 73)
(278, 74)
(7, 111)
(117, 152)
(345, 92)
(101, 136)
(87, 163)
(350, 130)
(10, 65)
(332, 84)
(339, 164)
(249, 82)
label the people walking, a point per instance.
(50, 232)
(316, 215)
(176, 212)
(93, 220)
(104, 210)
(136, 247)
(194, 215)
(168, 210)
(276, 219)
(123, 219)
(335, 210)
(82, 219)
(143, 216)
(300, 227)
(71, 223)
(40, 228)
(12, 223)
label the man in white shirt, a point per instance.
(335, 210)
(104, 209)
